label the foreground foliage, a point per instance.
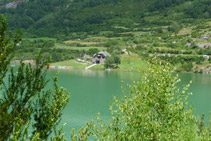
(154, 109)
(23, 101)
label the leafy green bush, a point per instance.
(154, 109)
(112, 62)
(209, 60)
(92, 51)
(187, 66)
(23, 101)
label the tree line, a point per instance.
(53, 17)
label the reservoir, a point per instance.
(93, 92)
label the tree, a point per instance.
(117, 61)
(24, 102)
(92, 51)
(155, 109)
(187, 66)
(112, 62)
(109, 63)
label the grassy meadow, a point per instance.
(131, 63)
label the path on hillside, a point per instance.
(90, 66)
(125, 51)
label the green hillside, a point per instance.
(2, 2)
(175, 30)
(53, 17)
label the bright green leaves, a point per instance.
(155, 109)
(48, 111)
(23, 100)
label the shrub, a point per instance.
(23, 100)
(187, 66)
(209, 60)
(155, 109)
(112, 62)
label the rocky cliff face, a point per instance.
(13, 4)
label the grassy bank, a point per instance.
(73, 63)
(132, 63)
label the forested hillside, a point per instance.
(178, 31)
(53, 17)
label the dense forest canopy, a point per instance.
(43, 18)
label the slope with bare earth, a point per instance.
(11, 3)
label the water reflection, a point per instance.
(93, 91)
(201, 89)
(101, 74)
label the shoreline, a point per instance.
(74, 65)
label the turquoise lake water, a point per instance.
(93, 91)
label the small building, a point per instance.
(189, 44)
(100, 57)
(205, 38)
(206, 56)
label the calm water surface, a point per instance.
(93, 91)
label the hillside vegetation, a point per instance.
(53, 17)
(175, 30)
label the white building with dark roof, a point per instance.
(100, 57)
